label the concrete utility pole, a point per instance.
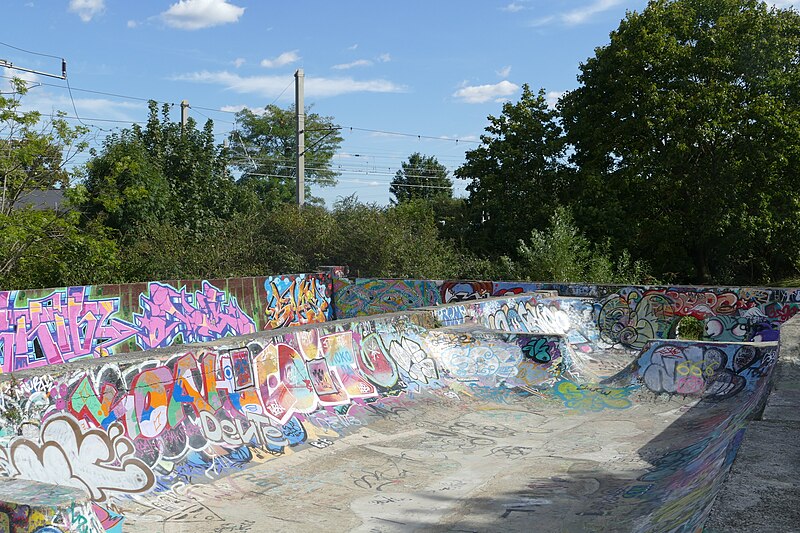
(184, 114)
(301, 136)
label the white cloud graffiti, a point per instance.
(102, 463)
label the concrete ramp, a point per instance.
(488, 416)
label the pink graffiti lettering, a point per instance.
(61, 327)
(168, 314)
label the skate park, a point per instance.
(314, 400)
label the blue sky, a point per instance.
(427, 68)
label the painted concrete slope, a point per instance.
(392, 423)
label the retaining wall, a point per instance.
(52, 326)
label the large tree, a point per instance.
(264, 148)
(516, 174)
(686, 131)
(162, 173)
(41, 243)
(421, 177)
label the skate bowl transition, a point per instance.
(378, 405)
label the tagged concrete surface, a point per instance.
(518, 416)
(493, 460)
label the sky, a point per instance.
(399, 77)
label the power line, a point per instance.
(419, 136)
(29, 51)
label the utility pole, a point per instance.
(184, 114)
(301, 136)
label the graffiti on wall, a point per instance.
(716, 371)
(207, 412)
(169, 316)
(65, 325)
(375, 296)
(632, 317)
(296, 300)
(459, 291)
(99, 461)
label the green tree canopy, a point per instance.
(686, 131)
(43, 246)
(516, 174)
(264, 149)
(421, 177)
(162, 173)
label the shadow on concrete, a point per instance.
(671, 486)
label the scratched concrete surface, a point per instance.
(451, 460)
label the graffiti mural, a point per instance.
(716, 371)
(375, 296)
(147, 427)
(634, 316)
(459, 291)
(66, 325)
(592, 397)
(297, 300)
(100, 462)
(169, 315)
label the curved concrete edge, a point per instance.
(762, 491)
(35, 507)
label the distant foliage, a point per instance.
(421, 177)
(562, 254)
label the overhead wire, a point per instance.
(29, 51)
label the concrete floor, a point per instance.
(449, 460)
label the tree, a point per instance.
(561, 253)
(162, 173)
(421, 177)
(686, 129)
(264, 148)
(516, 174)
(42, 246)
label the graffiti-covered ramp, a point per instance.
(386, 423)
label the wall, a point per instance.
(626, 316)
(141, 425)
(53, 326)
(110, 427)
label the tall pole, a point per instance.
(301, 136)
(184, 114)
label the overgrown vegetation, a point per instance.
(676, 160)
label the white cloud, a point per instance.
(353, 64)
(87, 9)
(784, 4)
(236, 108)
(579, 15)
(132, 24)
(513, 7)
(238, 62)
(282, 60)
(582, 14)
(269, 86)
(199, 14)
(504, 72)
(544, 21)
(479, 94)
(384, 58)
(353, 47)
(552, 98)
